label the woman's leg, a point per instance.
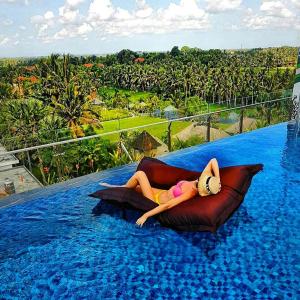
(140, 178)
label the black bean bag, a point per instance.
(196, 214)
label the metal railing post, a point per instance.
(208, 129)
(125, 150)
(241, 121)
(169, 137)
(57, 162)
(29, 161)
(268, 114)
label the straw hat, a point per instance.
(208, 184)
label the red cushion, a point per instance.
(163, 175)
(198, 213)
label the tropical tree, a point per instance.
(23, 120)
(68, 93)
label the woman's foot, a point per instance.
(110, 185)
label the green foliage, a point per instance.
(5, 91)
(212, 75)
(195, 105)
(192, 141)
(76, 159)
(67, 92)
(23, 120)
(126, 56)
(175, 51)
(58, 103)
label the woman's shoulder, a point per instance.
(189, 186)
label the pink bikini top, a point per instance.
(177, 189)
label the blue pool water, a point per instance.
(52, 246)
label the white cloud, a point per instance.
(296, 3)
(26, 2)
(71, 32)
(122, 14)
(258, 22)
(43, 23)
(84, 29)
(218, 6)
(74, 3)
(37, 19)
(143, 9)
(67, 14)
(186, 9)
(22, 27)
(63, 33)
(4, 40)
(11, 40)
(100, 10)
(272, 15)
(46, 18)
(276, 9)
(49, 15)
(109, 20)
(6, 22)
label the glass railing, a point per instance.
(65, 158)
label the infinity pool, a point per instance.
(52, 246)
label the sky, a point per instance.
(37, 27)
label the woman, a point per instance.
(208, 183)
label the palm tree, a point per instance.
(23, 120)
(68, 93)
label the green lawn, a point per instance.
(215, 107)
(157, 130)
(133, 95)
(111, 114)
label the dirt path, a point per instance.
(200, 131)
(248, 124)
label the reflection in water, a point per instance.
(291, 152)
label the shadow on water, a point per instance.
(103, 207)
(207, 242)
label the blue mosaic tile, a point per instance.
(53, 247)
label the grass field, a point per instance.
(111, 114)
(133, 95)
(156, 130)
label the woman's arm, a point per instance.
(173, 202)
(212, 167)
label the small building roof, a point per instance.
(145, 142)
(139, 59)
(22, 178)
(6, 160)
(170, 108)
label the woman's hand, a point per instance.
(140, 221)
